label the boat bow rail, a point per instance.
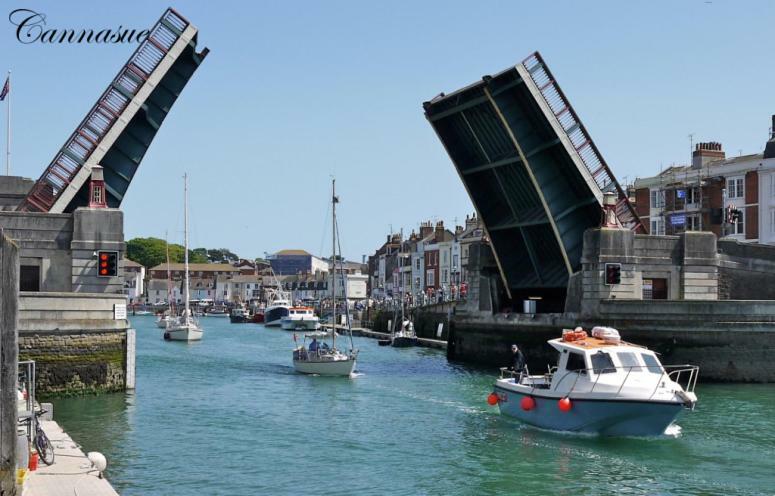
(111, 135)
(685, 376)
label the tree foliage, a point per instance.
(221, 255)
(151, 252)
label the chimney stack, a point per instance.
(769, 148)
(425, 229)
(706, 152)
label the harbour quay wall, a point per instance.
(731, 341)
(78, 344)
(426, 321)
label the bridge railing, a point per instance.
(580, 138)
(104, 114)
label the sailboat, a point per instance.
(323, 359)
(185, 327)
(405, 336)
(169, 315)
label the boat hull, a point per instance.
(162, 323)
(183, 334)
(605, 417)
(341, 368)
(403, 342)
(239, 319)
(300, 324)
(273, 316)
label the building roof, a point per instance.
(247, 278)
(131, 263)
(198, 267)
(679, 174)
(292, 252)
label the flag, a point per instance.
(6, 89)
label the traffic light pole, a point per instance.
(724, 212)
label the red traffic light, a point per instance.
(108, 263)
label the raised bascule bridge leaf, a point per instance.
(531, 170)
(119, 128)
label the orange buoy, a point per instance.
(564, 404)
(527, 403)
(492, 399)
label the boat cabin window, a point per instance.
(629, 361)
(652, 364)
(576, 363)
(602, 363)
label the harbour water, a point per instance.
(228, 415)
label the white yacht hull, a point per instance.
(183, 333)
(341, 368)
(290, 324)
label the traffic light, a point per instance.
(107, 263)
(613, 273)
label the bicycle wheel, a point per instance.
(43, 447)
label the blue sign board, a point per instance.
(678, 220)
(681, 193)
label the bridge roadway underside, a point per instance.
(123, 158)
(532, 198)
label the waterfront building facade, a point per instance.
(731, 197)
(290, 262)
(134, 281)
(176, 270)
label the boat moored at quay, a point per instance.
(601, 386)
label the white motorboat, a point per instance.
(404, 337)
(300, 319)
(322, 359)
(601, 385)
(275, 311)
(184, 328)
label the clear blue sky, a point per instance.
(293, 92)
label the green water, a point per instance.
(229, 416)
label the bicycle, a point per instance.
(41, 442)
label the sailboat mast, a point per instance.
(185, 238)
(401, 273)
(333, 258)
(169, 272)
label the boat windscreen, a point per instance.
(652, 364)
(629, 361)
(576, 363)
(602, 363)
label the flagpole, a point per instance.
(8, 129)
